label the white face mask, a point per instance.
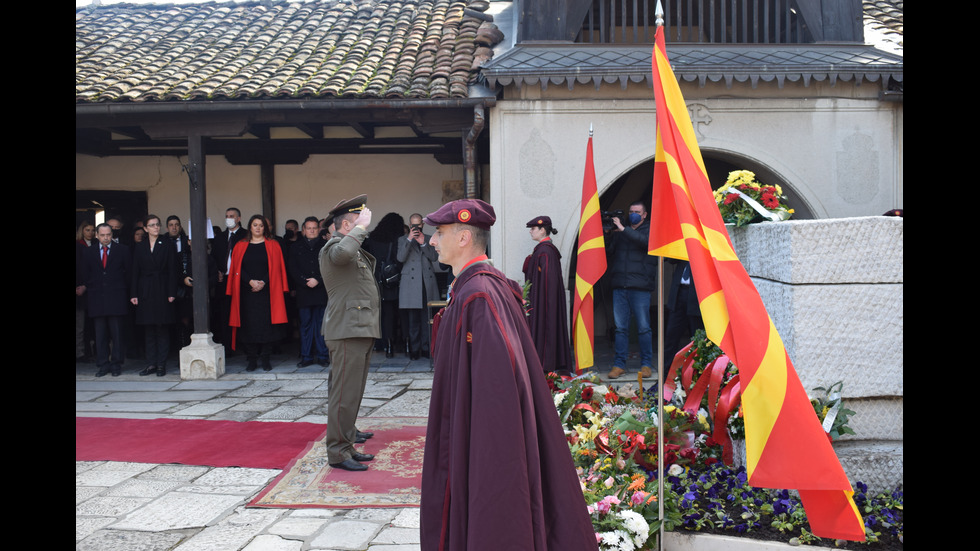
(230, 222)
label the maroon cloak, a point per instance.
(497, 472)
(548, 317)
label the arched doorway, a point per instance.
(636, 184)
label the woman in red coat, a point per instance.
(548, 314)
(256, 283)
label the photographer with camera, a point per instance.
(418, 285)
(634, 278)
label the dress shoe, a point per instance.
(150, 369)
(103, 371)
(361, 457)
(616, 372)
(364, 435)
(266, 366)
(304, 363)
(360, 440)
(116, 372)
(349, 465)
(646, 372)
(161, 371)
(325, 362)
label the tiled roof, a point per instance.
(267, 50)
(884, 24)
(568, 64)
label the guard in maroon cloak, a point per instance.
(497, 472)
(548, 315)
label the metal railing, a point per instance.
(696, 21)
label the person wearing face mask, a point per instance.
(221, 249)
(117, 226)
(633, 274)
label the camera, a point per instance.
(608, 215)
(416, 227)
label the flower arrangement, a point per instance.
(743, 200)
(829, 406)
(612, 436)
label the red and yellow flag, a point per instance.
(786, 447)
(590, 264)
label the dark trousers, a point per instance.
(416, 322)
(109, 329)
(157, 338)
(680, 327)
(311, 341)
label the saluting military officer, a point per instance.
(350, 326)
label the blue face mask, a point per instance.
(635, 218)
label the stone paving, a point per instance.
(138, 506)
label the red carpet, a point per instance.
(393, 478)
(255, 444)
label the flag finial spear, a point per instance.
(660, 14)
(590, 129)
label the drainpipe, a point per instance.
(471, 168)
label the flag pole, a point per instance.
(659, 12)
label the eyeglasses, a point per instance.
(153, 225)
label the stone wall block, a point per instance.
(851, 333)
(837, 250)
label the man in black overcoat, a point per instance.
(105, 273)
(303, 267)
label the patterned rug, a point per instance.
(393, 478)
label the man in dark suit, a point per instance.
(305, 278)
(350, 326)
(685, 312)
(221, 251)
(105, 277)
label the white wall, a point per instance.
(394, 183)
(842, 156)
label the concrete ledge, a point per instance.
(687, 541)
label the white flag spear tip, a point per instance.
(660, 14)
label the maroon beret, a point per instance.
(473, 212)
(539, 221)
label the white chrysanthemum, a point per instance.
(625, 543)
(637, 525)
(610, 540)
(559, 397)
